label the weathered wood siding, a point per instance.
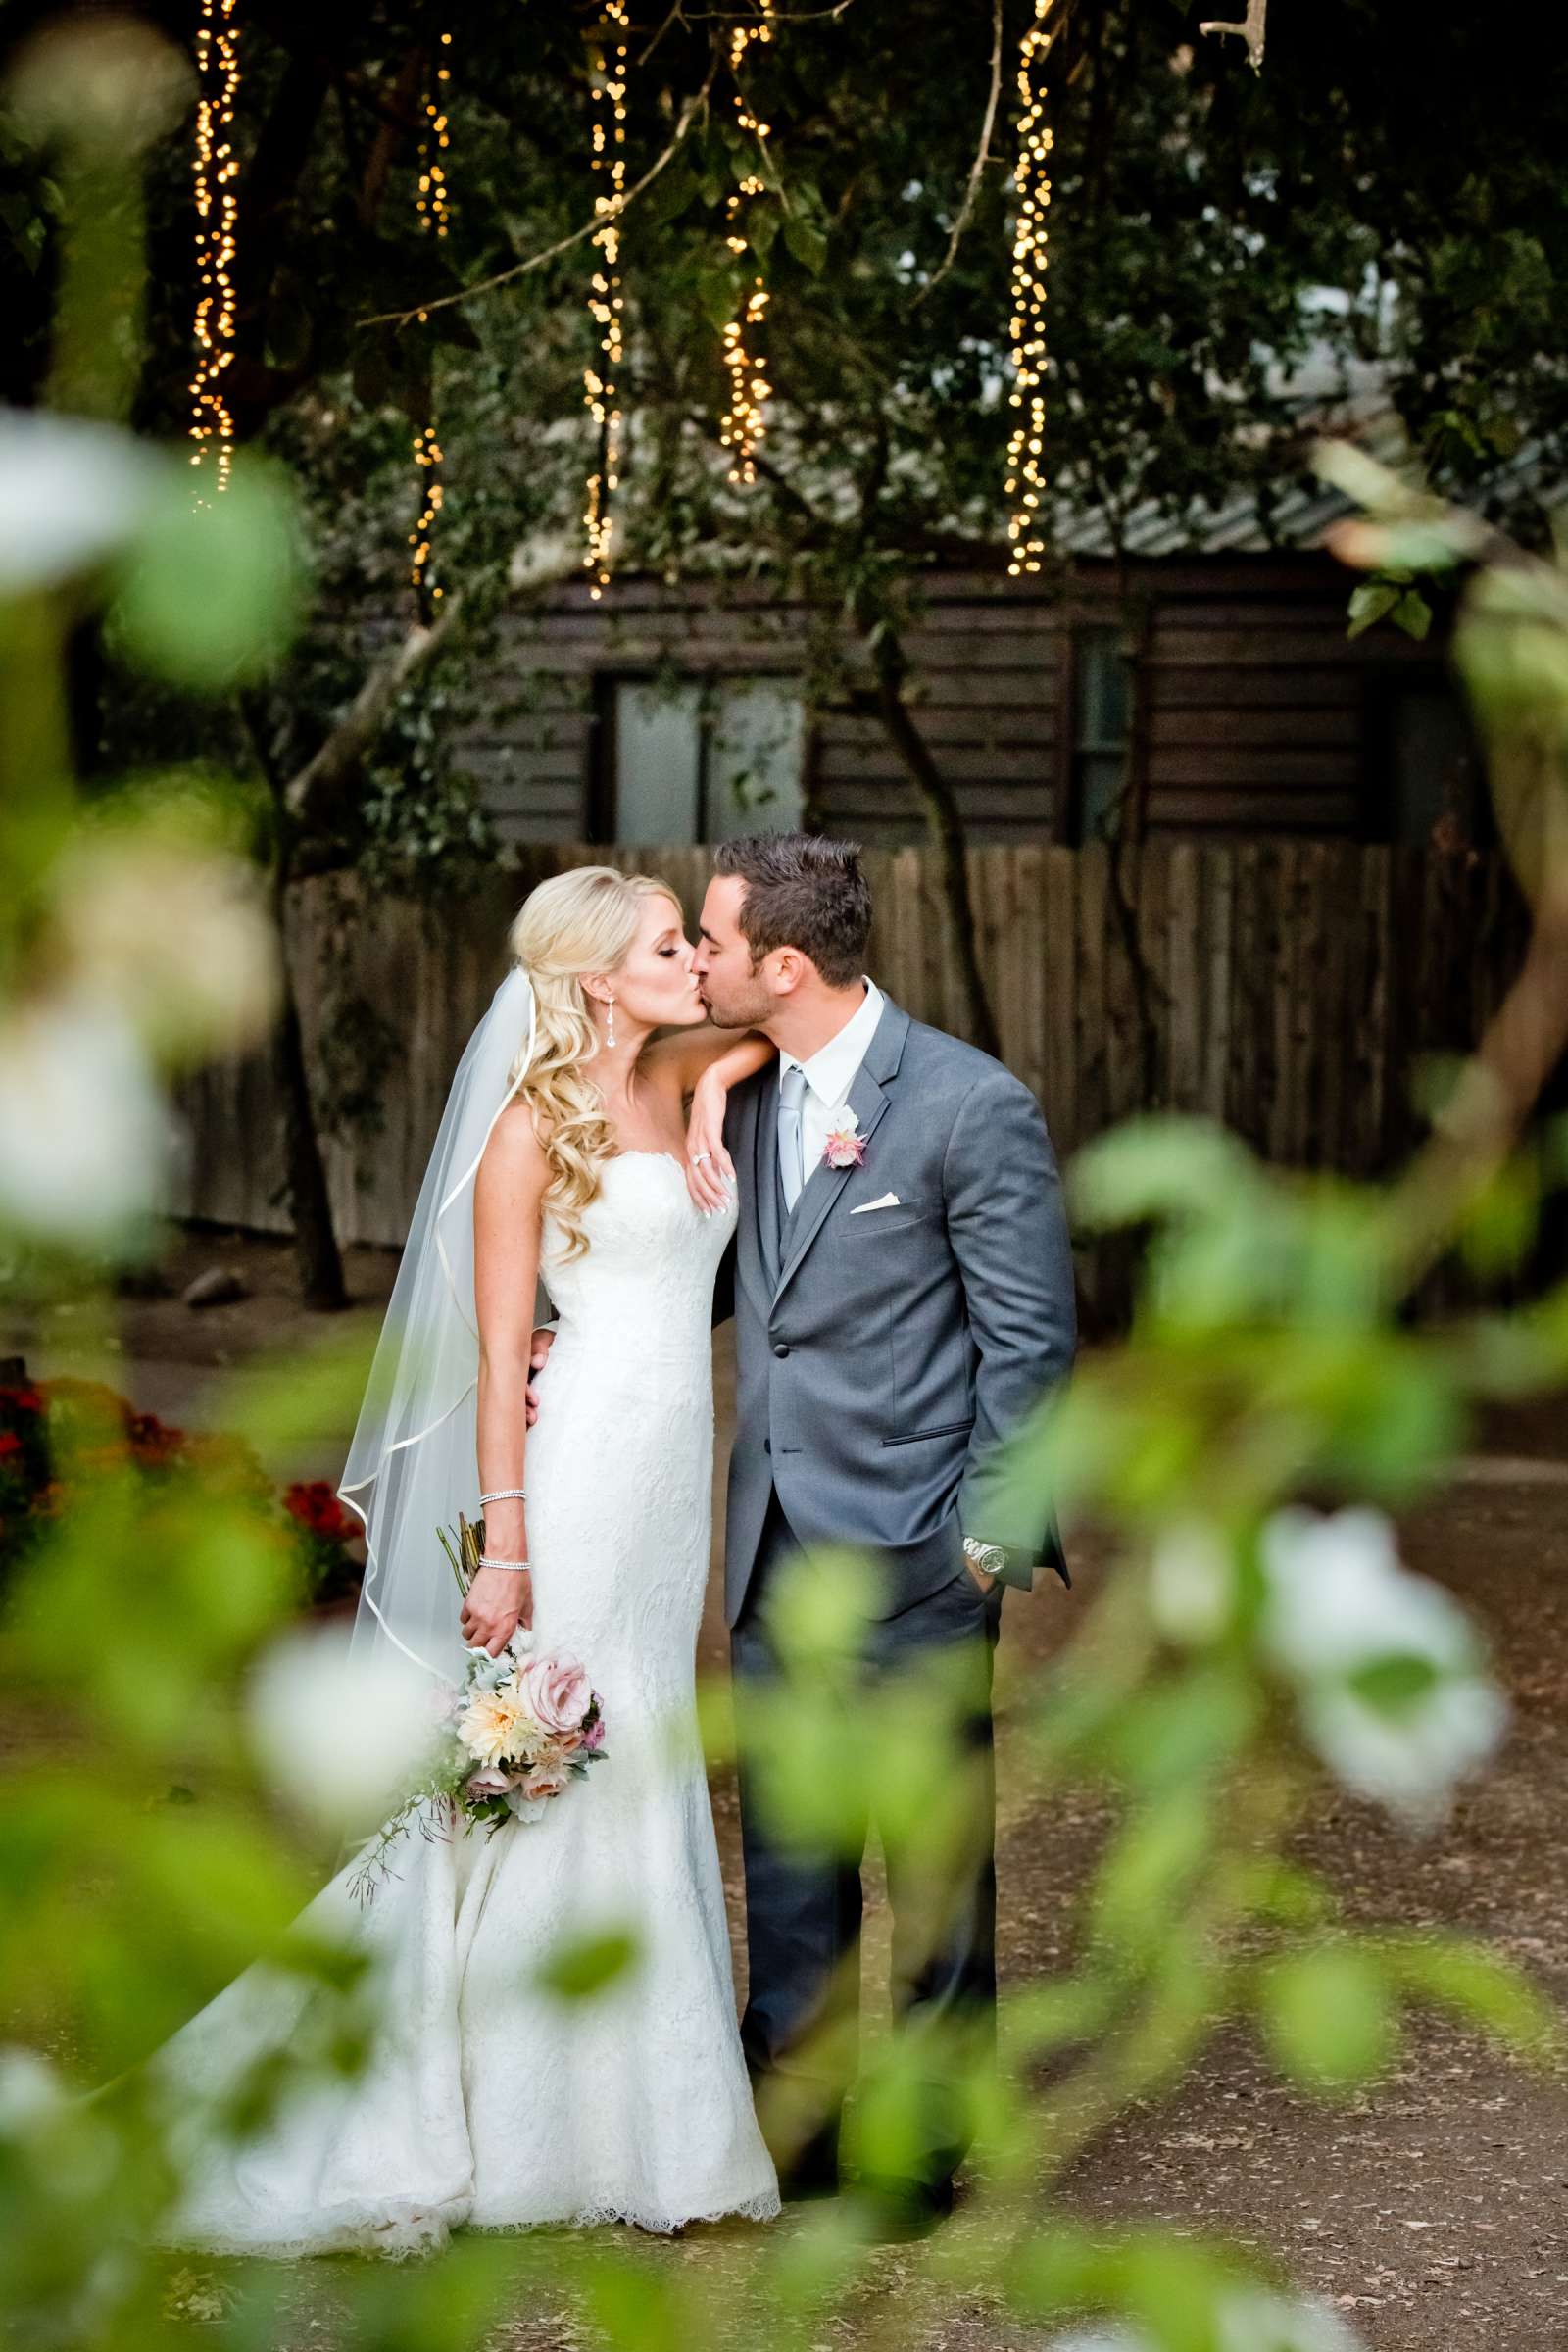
(1290, 989)
(1255, 711)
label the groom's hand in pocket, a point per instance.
(538, 1357)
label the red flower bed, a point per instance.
(56, 1434)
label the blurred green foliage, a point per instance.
(144, 1857)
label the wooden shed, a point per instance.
(1214, 696)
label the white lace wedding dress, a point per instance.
(490, 2103)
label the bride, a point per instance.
(488, 2102)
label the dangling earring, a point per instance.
(610, 1032)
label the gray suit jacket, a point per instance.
(881, 1356)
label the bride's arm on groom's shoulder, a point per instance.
(507, 1208)
(707, 1063)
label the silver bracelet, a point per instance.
(514, 1564)
(505, 1495)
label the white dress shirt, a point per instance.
(830, 1074)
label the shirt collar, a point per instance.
(832, 1066)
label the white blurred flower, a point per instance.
(103, 84)
(72, 493)
(31, 2090)
(1104, 2339)
(337, 1728)
(1192, 1586)
(176, 936)
(1250, 2318)
(84, 1135)
(1393, 1690)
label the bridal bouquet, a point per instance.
(517, 1733)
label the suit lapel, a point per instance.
(869, 1102)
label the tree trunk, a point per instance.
(942, 816)
(316, 1256)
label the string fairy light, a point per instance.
(608, 85)
(1026, 472)
(744, 420)
(214, 173)
(427, 457)
(433, 198)
(433, 205)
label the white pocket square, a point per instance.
(887, 1201)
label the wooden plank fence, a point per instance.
(1288, 987)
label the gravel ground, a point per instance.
(1430, 2210)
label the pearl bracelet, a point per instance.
(505, 1495)
(512, 1564)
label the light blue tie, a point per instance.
(791, 1164)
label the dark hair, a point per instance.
(803, 891)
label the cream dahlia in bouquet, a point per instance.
(519, 1732)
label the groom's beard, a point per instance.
(746, 1012)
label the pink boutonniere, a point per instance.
(843, 1149)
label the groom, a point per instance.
(902, 1295)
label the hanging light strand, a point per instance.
(745, 418)
(433, 198)
(1026, 470)
(608, 85)
(214, 174)
(433, 205)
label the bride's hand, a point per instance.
(497, 1602)
(710, 1170)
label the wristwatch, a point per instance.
(989, 1558)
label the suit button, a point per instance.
(781, 1348)
(768, 1445)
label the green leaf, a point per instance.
(1050, 2014)
(719, 292)
(1482, 1988)
(209, 597)
(1394, 1685)
(1413, 614)
(1186, 1730)
(1160, 1167)
(1369, 603)
(672, 192)
(584, 1965)
(1151, 1867)
(1327, 2015)
(1499, 1224)
(808, 245)
(1286, 1894)
(761, 222)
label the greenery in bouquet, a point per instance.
(521, 1730)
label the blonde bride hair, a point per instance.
(574, 925)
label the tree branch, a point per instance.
(306, 794)
(694, 106)
(943, 815)
(977, 167)
(1251, 32)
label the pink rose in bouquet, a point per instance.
(488, 1781)
(544, 1780)
(556, 1694)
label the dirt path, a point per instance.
(1431, 2212)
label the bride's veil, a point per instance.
(412, 1465)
